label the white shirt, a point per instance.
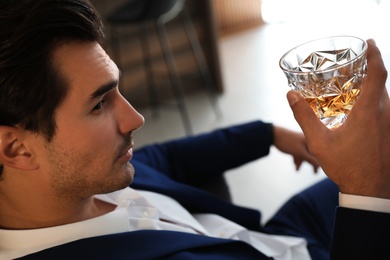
(364, 203)
(138, 210)
(147, 210)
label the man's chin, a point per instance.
(122, 184)
(130, 169)
(128, 174)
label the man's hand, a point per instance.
(356, 156)
(294, 143)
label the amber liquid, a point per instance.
(333, 104)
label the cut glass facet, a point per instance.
(323, 60)
(329, 74)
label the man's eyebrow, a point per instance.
(103, 89)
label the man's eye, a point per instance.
(99, 105)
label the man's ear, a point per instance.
(13, 151)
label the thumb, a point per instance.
(304, 115)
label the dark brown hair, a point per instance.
(31, 88)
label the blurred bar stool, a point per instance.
(140, 12)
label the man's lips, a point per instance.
(126, 155)
(126, 151)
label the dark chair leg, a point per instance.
(174, 77)
(200, 59)
(153, 98)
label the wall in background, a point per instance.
(233, 16)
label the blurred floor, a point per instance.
(255, 88)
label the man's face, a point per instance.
(91, 148)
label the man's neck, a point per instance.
(46, 216)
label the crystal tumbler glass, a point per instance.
(329, 74)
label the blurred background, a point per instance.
(241, 43)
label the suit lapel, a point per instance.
(150, 244)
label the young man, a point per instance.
(66, 141)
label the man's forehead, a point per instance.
(77, 54)
(85, 66)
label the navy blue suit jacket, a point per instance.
(177, 168)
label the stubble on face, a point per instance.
(77, 176)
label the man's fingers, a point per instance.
(375, 81)
(304, 115)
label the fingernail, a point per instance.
(292, 97)
(372, 41)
